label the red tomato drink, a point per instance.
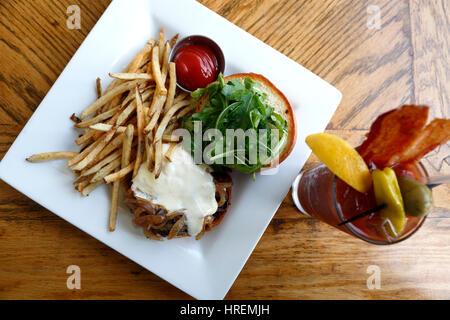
(320, 194)
(381, 194)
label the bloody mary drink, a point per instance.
(320, 194)
(377, 192)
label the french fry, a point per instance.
(119, 174)
(163, 123)
(151, 163)
(131, 76)
(140, 58)
(114, 206)
(113, 156)
(147, 90)
(81, 185)
(174, 121)
(82, 154)
(108, 97)
(126, 152)
(99, 88)
(103, 172)
(124, 115)
(159, 101)
(155, 110)
(98, 118)
(146, 93)
(74, 118)
(113, 145)
(174, 40)
(90, 187)
(140, 125)
(171, 126)
(81, 179)
(111, 121)
(185, 111)
(46, 156)
(168, 154)
(96, 135)
(148, 153)
(128, 99)
(85, 138)
(161, 44)
(158, 158)
(146, 61)
(172, 86)
(104, 127)
(165, 63)
(91, 156)
(147, 67)
(180, 97)
(136, 103)
(126, 145)
(157, 71)
(170, 138)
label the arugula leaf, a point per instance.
(239, 105)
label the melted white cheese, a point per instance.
(181, 186)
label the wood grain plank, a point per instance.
(36, 45)
(8, 133)
(298, 257)
(306, 259)
(430, 27)
(32, 269)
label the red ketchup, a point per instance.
(196, 66)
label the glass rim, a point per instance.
(349, 227)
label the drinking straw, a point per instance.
(366, 213)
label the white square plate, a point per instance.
(207, 268)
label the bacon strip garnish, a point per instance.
(400, 136)
(434, 135)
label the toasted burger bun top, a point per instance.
(277, 100)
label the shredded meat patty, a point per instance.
(157, 223)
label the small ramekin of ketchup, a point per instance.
(198, 60)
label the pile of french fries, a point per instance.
(128, 123)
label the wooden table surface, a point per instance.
(405, 60)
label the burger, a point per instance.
(189, 199)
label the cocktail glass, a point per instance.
(319, 193)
